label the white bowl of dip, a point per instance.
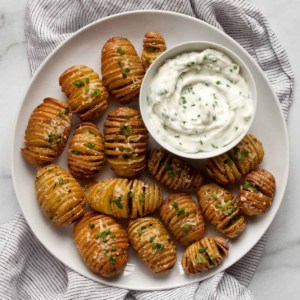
(198, 99)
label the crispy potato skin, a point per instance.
(60, 196)
(47, 132)
(126, 141)
(256, 193)
(122, 69)
(124, 198)
(152, 244)
(221, 209)
(172, 171)
(102, 243)
(85, 91)
(86, 152)
(204, 255)
(153, 45)
(229, 167)
(183, 217)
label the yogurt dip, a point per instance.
(199, 101)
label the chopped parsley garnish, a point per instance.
(141, 230)
(50, 138)
(97, 236)
(126, 129)
(60, 114)
(186, 227)
(86, 89)
(228, 161)
(120, 51)
(87, 80)
(50, 170)
(117, 202)
(235, 67)
(151, 49)
(67, 110)
(76, 152)
(169, 170)
(151, 239)
(214, 118)
(249, 186)
(91, 131)
(142, 198)
(214, 196)
(160, 247)
(90, 145)
(92, 225)
(127, 70)
(203, 249)
(61, 181)
(104, 234)
(218, 82)
(130, 195)
(200, 259)
(97, 92)
(112, 260)
(78, 83)
(183, 99)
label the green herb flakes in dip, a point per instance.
(199, 101)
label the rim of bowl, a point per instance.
(173, 52)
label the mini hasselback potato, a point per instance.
(60, 196)
(86, 93)
(182, 216)
(47, 131)
(152, 244)
(122, 69)
(86, 152)
(102, 243)
(172, 171)
(153, 44)
(124, 198)
(256, 194)
(204, 255)
(232, 165)
(126, 141)
(221, 209)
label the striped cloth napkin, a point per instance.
(27, 269)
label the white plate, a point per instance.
(84, 47)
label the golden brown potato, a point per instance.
(47, 132)
(102, 243)
(152, 244)
(221, 209)
(154, 44)
(124, 198)
(173, 171)
(86, 152)
(204, 255)
(232, 165)
(86, 93)
(256, 194)
(122, 69)
(59, 195)
(182, 216)
(126, 141)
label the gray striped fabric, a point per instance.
(27, 270)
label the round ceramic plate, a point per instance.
(84, 47)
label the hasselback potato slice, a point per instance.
(153, 45)
(60, 196)
(122, 69)
(102, 243)
(86, 152)
(124, 198)
(47, 131)
(237, 162)
(183, 217)
(257, 191)
(172, 171)
(204, 255)
(152, 244)
(126, 141)
(85, 91)
(221, 209)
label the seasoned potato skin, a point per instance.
(172, 171)
(85, 91)
(102, 243)
(153, 45)
(152, 244)
(60, 196)
(229, 167)
(47, 132)
(256, 193)
(124, 198)
(86, 152)
(221, 209)
(126, 141)
(204, 255)
(183, 217)
(122, 69)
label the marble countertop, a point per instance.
(278, 274)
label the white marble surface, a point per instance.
(278, 275)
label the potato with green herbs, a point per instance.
(257, 191)
(221, 209)
(102, 243)
(126, 141)
(204, 255)
(152, 244)
(47, 132)
(60, 196)
(183, 217)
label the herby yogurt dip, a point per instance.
(199, 101)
